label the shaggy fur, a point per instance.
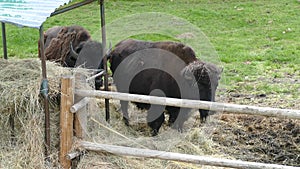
(187, 78)
(129, 46)
(57, 42)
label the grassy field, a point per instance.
(252, 38)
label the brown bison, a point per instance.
(60, 43)
(71, 46)
(162, 69)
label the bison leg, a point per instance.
(203, 115)
(155, 118)
(173, 113)
(124, 109)
(177, 117)
(98, 81)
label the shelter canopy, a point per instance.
(29, 13)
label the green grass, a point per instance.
(252, 38)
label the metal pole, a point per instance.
(79, 4)
(4, 40)
(44, 91)
(102, 13)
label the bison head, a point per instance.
(89, 55)
(59, 42)
(205, 77)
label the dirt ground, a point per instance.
(258, 138)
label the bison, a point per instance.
(72, 46)
(168, 69)
(59, 42)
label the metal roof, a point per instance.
(29, 13)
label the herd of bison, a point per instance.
(167, 69)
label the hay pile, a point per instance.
(19, 90)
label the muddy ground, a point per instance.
(258, 138)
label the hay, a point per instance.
(193, 140)
(19, 97)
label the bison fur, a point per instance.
(168, 69)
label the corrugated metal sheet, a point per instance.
(29, 13)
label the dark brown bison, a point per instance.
(60, 42)
(162, 69)
(71, 46)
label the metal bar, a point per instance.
(4, 40)
(44, 92)
(59, 11)
(102, 13)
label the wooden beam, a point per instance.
(79, 105)
(73, 155)
(195, 104)
(66, 120)
(203, 160)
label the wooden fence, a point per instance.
(70, 127)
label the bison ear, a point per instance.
(82, 36)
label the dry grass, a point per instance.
(19, 87)
(193, 140)
(19, 90)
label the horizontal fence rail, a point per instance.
(79, 105)
(194, 104)
(203, 160)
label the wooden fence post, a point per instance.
(66, 120)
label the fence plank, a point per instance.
(203, 160)
(66, 120)
(79, 105)
(196, 104)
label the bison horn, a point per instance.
(73, 53)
